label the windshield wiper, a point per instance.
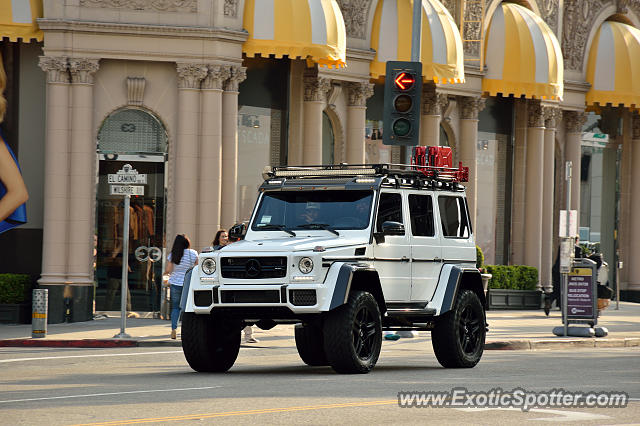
(324, 226)
(268, 226)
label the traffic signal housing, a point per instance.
(402, 93)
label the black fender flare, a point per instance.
(345, 283)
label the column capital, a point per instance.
(237, 75)
(359, 93)
(552, 116)
(190, 75)
(433, 103)
(535, 114)
(316, 88)
(573, 120)
(216, 76)
(470, 107)
(83, 69)
(635, 125)
(56, 67)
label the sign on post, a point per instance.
(573, 224)
(127, 190)
(581, 300)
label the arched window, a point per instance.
(132, 131)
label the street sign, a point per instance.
(582, 292)
(127, 190)
(573, 223)
(127, 178)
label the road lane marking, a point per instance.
(84, 356)
(243, 413)
(562, 415)
(106, 394)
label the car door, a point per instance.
(392, 258)
(426, 251)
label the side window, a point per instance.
(390, 209)
(421, 210)
(453, 216)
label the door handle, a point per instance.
(404, 259)
(437, 259)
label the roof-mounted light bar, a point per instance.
(324, 172)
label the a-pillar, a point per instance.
(210, 182)
(356, 120)
(56, 172)
(534, 186)
(315, 93)
(573, 121)
(633, 274)
(552, 116)
(433, 105)
(470, 107)
(190, 77)
(229, 204)
(82, 172)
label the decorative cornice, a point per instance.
(470, 107)
(552, 116)
(135, 90)
(316, 88)
(535, 116)
(356, 16)
(574, 120)
(190, 75)
(635, 125)
(216, 76)
(56, 67)
(83, 69)
(231, 8)
(433, 103)
(359, 93)
(236, 76)
(190, 6)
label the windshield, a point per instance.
(330, 210)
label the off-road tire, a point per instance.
(353, 334)
(210, 344)
(459, 335)
(310, 345)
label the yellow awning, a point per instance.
(523, 56)
(441, 48)
(613, 67)
(18, 20)
(306, 29)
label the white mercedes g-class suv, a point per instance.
(344, 252)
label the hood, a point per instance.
(300, 243)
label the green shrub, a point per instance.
(14, 288)
(479, 258)
(513, 277)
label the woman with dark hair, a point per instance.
(221, 239)
(180, 259)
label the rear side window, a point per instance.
(390, 209)
(453, 216)
(421, 210)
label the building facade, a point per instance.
(201, 95)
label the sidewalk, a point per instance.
(508, 330)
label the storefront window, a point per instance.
(262, 125)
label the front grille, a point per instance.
(250, 296)
(202, 297)
(249, 268)
(303, 297)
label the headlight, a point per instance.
(208, 266)
(305, 265)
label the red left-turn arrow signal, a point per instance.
(404, 81)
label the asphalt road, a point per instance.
(270, 385)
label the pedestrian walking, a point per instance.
(181, 258)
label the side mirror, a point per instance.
(392, 228)
(237, 231)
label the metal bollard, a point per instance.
(39, 312)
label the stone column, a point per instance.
(210, 182)
(573, 124)
(534, 186)
(186, 154)
(633, 264)
(356, 120)
(552, 116)
(56, 172)
(469, 109)
(433, 105)
(229, 203)
(315, 93)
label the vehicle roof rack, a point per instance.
(445, 174)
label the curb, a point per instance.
(585, 343)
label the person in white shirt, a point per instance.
(181, 259)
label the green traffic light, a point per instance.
(401, 127)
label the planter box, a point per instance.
(15, 313)
(514, 299)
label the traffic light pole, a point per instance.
(416, 31)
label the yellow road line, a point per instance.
(243, 413)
